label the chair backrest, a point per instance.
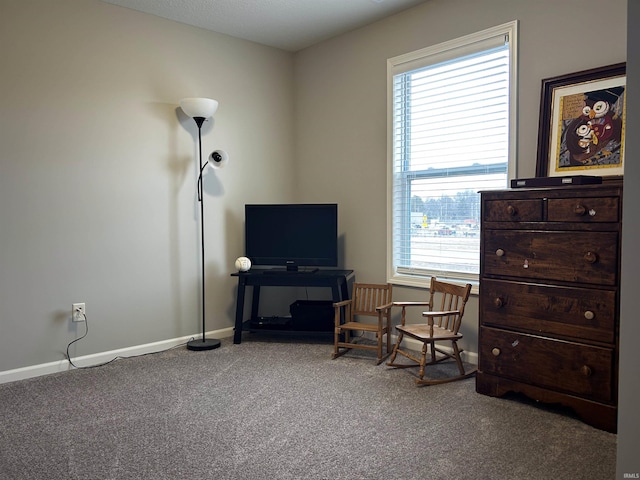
(368, 296)
(445, 296)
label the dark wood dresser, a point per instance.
(549, 297)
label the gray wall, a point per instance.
(629, 391)
(98, 173)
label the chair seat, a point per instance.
(366, 327)
(421, 332)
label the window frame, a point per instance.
(428, 56)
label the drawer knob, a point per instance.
(586, 371)
(580, 210)
(495, 351)
(511, 210)
(498, 302)
(589, 315)
(590, 257)
(499, 252)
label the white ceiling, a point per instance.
(286, 24)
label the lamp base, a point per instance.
(203, 344)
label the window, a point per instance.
(451, 134)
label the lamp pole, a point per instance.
(204, 343)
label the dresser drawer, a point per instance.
(513, 210)
(579, 369)
(585, 210)
(585, 257)
(581, 313)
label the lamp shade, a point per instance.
(218, 159)
(199, 107)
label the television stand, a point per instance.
(278, 271)
(337, 280)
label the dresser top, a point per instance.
(606, 188)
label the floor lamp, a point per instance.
(200, 109)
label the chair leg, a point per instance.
(388, 336)
(339, 354)
(456, 353)
(336, 339)
(456, 356)
(394, 353)
(379, 345)
(382, 356)
(423, 360)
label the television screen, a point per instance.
(292, 235)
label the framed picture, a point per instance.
(582, 123)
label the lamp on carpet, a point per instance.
(200, 109)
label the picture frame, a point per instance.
(582, 124)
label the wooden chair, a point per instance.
(368, 300)
(444, 317)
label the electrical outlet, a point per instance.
(78, 312)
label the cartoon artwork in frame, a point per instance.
(582, 124)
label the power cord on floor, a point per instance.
(86, 331)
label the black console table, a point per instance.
(337, 280)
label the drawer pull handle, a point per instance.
(499, 252)
(590, 257)
(511, 210)
(580, 210)
(498, 302)
(586, 371)
(589, 315)
(495, 351)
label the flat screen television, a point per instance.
(292, 235)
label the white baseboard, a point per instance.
(101, 357)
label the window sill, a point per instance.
(422, 281)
